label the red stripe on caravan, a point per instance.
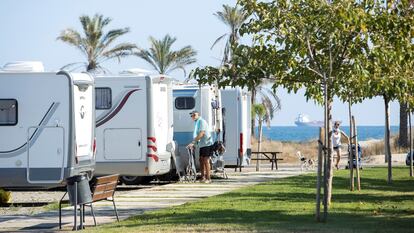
(117, 109)
(154, 148)
(153, 156)
(153, 139)
(241, 145)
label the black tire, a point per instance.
(135, 180)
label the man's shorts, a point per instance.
(206, 151)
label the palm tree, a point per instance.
(260, 112)
(234, 18)
(95, 44)
(163, 59)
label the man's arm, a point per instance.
(199, 136)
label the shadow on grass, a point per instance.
(269, 221)
(287, 205)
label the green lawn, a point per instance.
(288, 205)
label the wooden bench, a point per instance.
(270, 156)
(102, 189)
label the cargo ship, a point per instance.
(303, 120)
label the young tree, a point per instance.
(96, 45)
(390, 58)
(163, 59)
(260, 113)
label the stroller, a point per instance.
(353, 157)
(217, 161)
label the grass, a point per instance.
(287, 205)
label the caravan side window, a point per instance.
(8, 112)
(103, 98)
(184, 103)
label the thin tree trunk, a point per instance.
(356, 155)
(403, 135)
(387, 138)
(330, 154)
(253, 101)
(319, 176)
(259, 145)
(411, 145)
(350, 165)
(326, 140)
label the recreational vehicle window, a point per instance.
(184, 103)
(103, 98)
(8, 112)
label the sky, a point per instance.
(30, 28)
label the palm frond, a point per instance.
(148, 57)
(112, 35)
(120, 51)
(218, 40)
(161, 56)
(233, 17)
(95, 43)
(270, 100)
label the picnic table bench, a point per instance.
(270, 156)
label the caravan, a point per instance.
(134, 127)
(236, 126)
(186, 98)
(46, 127)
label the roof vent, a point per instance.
(24, 66)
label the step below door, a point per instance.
(45, 154)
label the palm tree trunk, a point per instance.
(91, 66)
(387, 138)
(403, 136)
(259, 145)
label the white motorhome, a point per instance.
(206, 100)
(236, 107)
(46, 127)
(134, 127)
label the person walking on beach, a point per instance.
(202, 137)
(336, 142)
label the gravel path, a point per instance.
(35, 201)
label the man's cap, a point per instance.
(194, 112)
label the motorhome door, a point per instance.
(123, 144)
(45, 154)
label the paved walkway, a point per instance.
(136, 202)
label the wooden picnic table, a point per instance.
(270, 156)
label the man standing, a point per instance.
(202, 138)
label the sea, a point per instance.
(298, 134)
